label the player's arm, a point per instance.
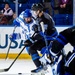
(15, 35)
(37, 33)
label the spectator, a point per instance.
(65, 16)
(3, 20)
(64, 7)
(7, 12)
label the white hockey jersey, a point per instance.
(26, 29)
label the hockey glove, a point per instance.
(28, 43)
(37, 36)
(15, 36)
(35, 28)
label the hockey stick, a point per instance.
(43, 30)
(4, 70)
(10, 44)
(51, 38)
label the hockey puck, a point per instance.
(19, 73)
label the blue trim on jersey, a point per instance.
(54, 34)
(59, 40)
(22, 19)
(70, 59)
(41, 33)
(35, 56)
(28, 28)
(74, 49)
(16, 23)
(67, 73)
(49, 37)
(63, 37)
(27, 49)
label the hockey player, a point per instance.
(27, 25)
(36, 41)
(28, 28)
(29, 33)
(66, 36)
(49, 31)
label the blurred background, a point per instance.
(61, 11)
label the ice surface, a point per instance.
(20, 67)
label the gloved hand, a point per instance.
(28, 43)
(35, 28)
(15, 36)
(15, 22)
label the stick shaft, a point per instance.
(43, 30)
(10, 44)
(4, 70)
(17, 57)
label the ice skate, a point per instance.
(39, 71)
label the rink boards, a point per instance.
(17, 45)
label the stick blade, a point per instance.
(4, 70)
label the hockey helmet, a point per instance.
(27, 13)
(37, 6)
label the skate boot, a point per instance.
(41, 70)
(37, 70)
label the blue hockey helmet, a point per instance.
(27, 13)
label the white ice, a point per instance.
(20, 66)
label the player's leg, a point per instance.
(35, 56)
